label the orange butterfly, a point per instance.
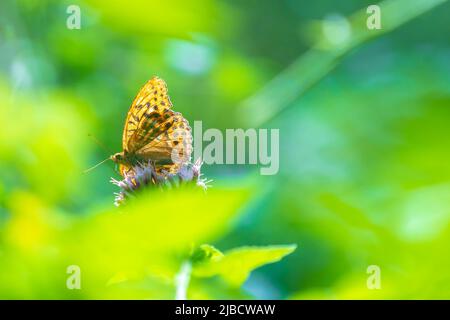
(154, 132)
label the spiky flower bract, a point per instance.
(144, 175)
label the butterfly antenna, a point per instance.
(101, 145)
(92, 168)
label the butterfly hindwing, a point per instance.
(173, 146)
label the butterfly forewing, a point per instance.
(145, 110)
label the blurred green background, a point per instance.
(364, 123)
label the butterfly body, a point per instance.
(154, 132)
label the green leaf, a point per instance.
(236, 265)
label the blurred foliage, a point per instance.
(364, 146)
(235, 265)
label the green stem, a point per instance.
(182, 280)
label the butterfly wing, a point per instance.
(154, 131)
(145, 114)
(172, 147)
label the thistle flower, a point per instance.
(145, 176)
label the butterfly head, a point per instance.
(118, 157)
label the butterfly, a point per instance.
(154, 132)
